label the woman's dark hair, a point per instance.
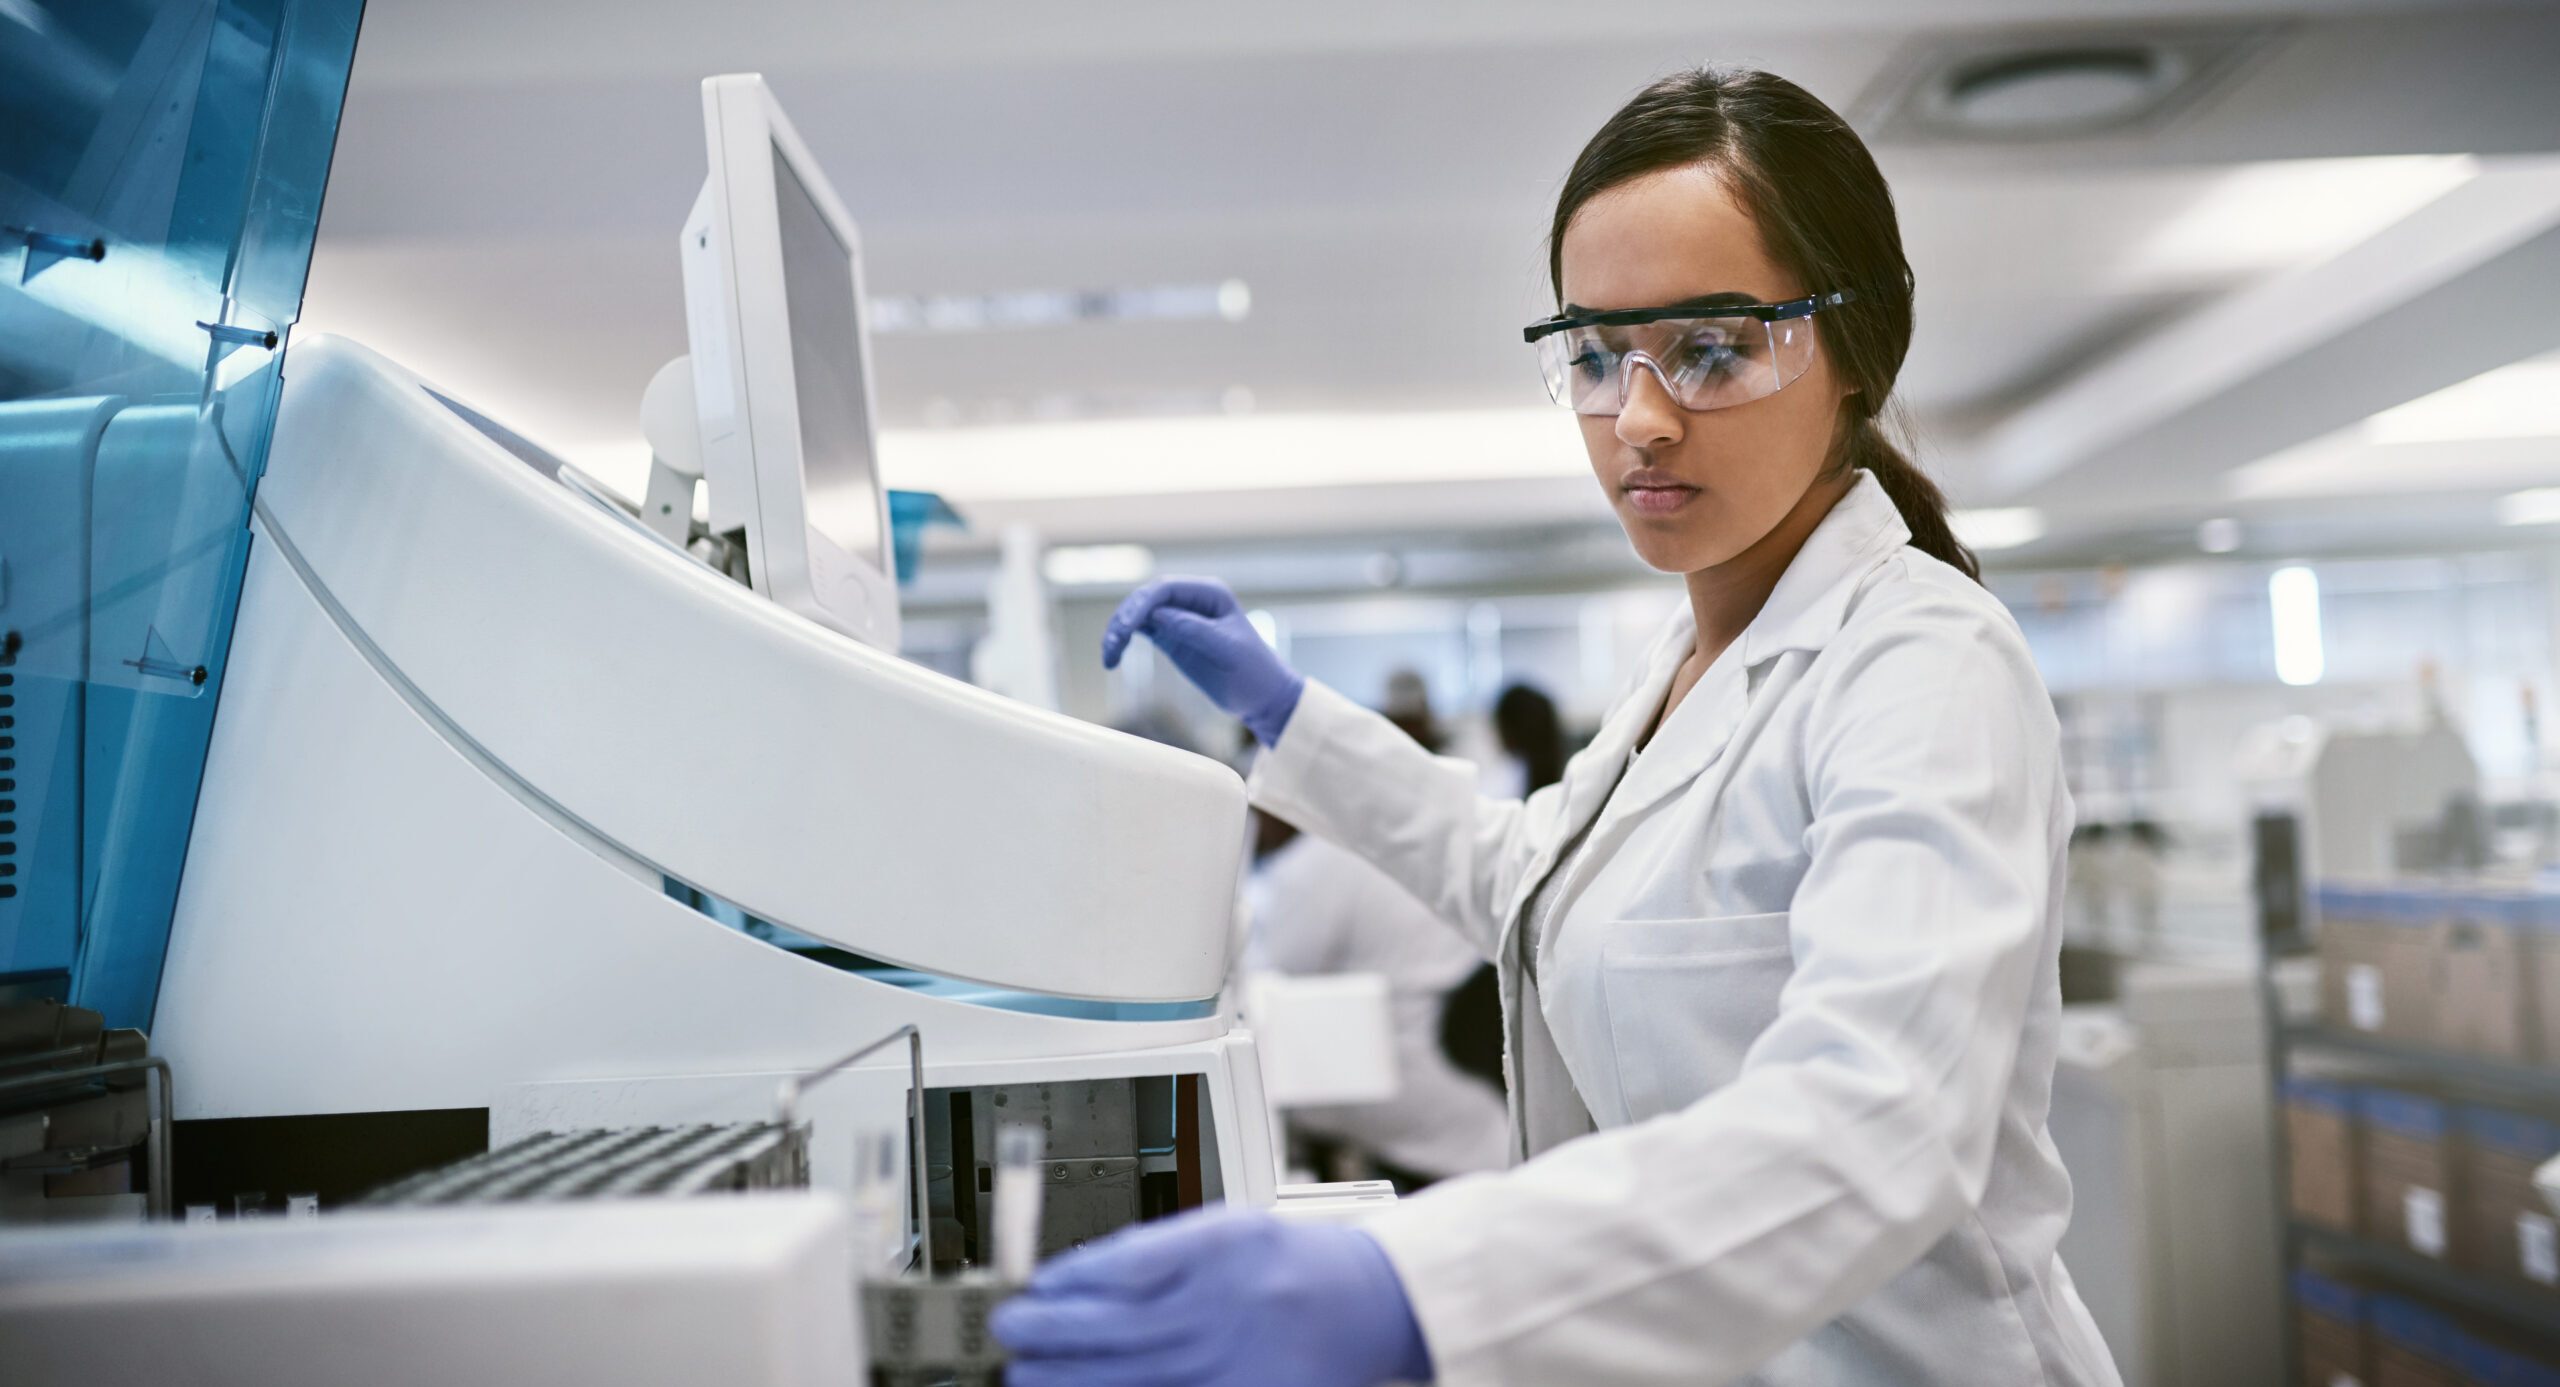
(1824, 210)
(1526, 723)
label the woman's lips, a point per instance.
(1656, 497)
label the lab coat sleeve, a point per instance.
(1350, 776)
(1862, 1125)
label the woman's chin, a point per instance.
(1667, 553)
(1664, 544)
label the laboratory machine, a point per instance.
(531, 807)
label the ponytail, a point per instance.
(1922, 504)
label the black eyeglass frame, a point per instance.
(1804, 307)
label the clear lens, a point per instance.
(1702, 363)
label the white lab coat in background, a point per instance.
(1318, 908)
(1802, 976)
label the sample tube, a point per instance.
(879, 1203)
(1018, 1194)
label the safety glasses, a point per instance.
(1706, 358)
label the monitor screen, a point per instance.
(837, 481)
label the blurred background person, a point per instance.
(1532, 736)
(1320, 909)
(1533, 742)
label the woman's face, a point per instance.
(1693, 489)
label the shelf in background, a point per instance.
(2432, 1063)
(2518, 1307)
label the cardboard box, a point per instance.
(2408, 1171)
(2320, 1148)
(2378, 959)
(2539, 925)
(2351, 940)
(2480, 975)
(2507, 1228)
(2328, 1326)
(2411, 1345)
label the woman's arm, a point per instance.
(1861, 1130)
(1339, 771)
(1350, 776)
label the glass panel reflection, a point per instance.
(161, 166)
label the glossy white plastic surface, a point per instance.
(747, 1291)
(373, 919)
(706, 733)
(370, 921)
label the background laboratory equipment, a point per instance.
(719, 836)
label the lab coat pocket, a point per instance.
(1686, 998)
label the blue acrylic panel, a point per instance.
(161, 168)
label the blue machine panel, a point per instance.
(161, 167)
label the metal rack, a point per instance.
(2530, 1082)
(2489, 1298)
(63, 1081)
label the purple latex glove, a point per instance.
(1200, 626)
(1218, 1298)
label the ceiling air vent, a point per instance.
(2010, 86)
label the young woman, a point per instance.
(1778, 955)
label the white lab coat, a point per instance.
(1319, 908)
(1802, 977)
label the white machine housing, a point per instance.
(782, 370)
(478, 724)
(2160, 1112)
(747, 1291)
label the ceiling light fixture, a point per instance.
(2293, 605)
(2282, 213)
(1228, 301)
(2058, 88)
(2538, 505)
(2004, 85)
(1233, 452)
(2521, 400)
(1097, 565)
(2003, 527)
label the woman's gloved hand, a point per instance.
(1220, 1298)
(1200, 626)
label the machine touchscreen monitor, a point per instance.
(782, 373)
(842, 495)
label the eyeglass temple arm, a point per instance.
(1804, 307)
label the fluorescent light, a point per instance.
(1097, 565)
(2533, 506)
(2004, 527)
(2516, 401)
(1243, 452)
(2219, 535)
(1235, 300)
(1227, 301)
(2288, 212)
(2293, 598)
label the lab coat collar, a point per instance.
(1805, 609)
(1811, 599)
(1808, 605)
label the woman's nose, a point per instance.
(1648, 417)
